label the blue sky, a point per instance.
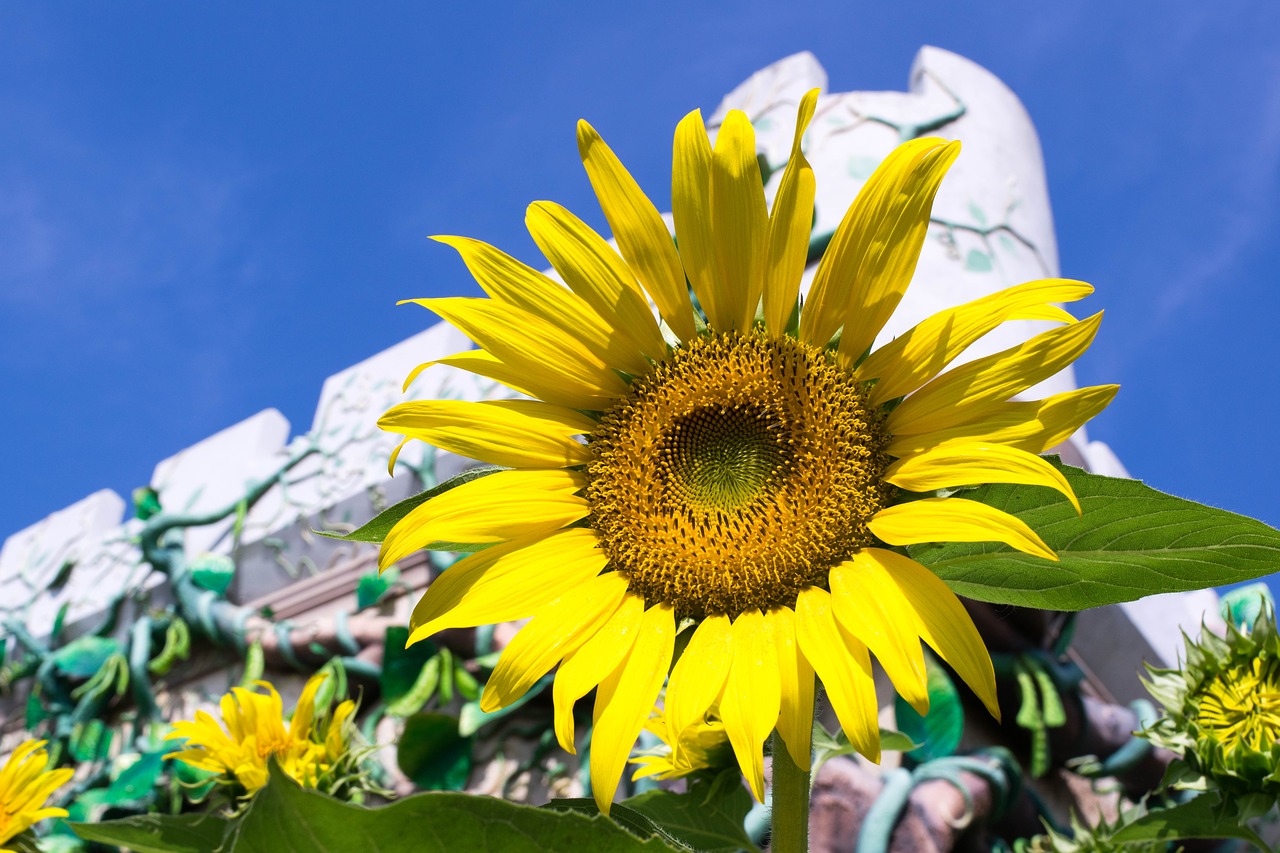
(205, 211)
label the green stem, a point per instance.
(790, 802)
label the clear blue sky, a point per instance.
(205, 211)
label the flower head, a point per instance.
(253, 730)
(1222, 709)
(732, 465)
(25, 786)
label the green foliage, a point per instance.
(84, 657)
(1131, 541)
(286, 818)
(433, 754)
(939, 731)
(372, 586)
(827, 745)
(377, 528)
(708, 817)
(1205, 816)
(213, 572)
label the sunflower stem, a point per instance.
(790, 802)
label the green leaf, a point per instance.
(137, 780)
(371, 587)
(1204, 817)
(286, 818)
(377, 529)
(433, 754)
(213, 572)
(402, 667)
(1131, 541)
(84, 656)
(152, 833)
(702, 822)
(827, 746)
(638, 824)
(939, 731)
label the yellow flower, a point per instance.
(1240, 706)
(25, 785)
(741, 461)
(703, 745)
(254, 730)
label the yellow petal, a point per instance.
(595, 272)
(870, 607)
(507, 582)
(591, 662)
(890, 261)
(699, 675)
(561, 419)
(484, 364)
(973, 464)
(495, 434)
(752, 696)
(304, 712)
(952, 398)
(942, 621)
(624, 706)
(795, 717)
(691, 209)
(790, 223)
(740, 224)
(912, 359)
(509, 281)
(844, 666)
(643, 239)
(872, 255)
(1033, 426)
(494, 508)
(955, 520)
(555, 632)
(547, 360)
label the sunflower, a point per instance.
(254, 730)
(736, 467)
(25, 785)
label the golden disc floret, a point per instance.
(736, 473)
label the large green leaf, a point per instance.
(285, 818)
(377, 529)
(1131, 541)
(1203, 817)
(433, 754)
(699, 818)
(939, 731)
(153, 833)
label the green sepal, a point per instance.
(1131, 541)
(377, 528)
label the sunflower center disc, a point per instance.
(1242, 705)
(736, 473)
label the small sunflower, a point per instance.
(308, 747)
(25, 785)
(701, 746)
(1222, 710)
(734, 467)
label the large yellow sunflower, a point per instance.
(734, 468)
